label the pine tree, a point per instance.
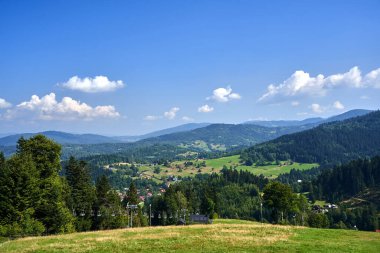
(132, 197)
(82, 194)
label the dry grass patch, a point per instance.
(224, 236)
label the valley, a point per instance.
(189, 168)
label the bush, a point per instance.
(318, 220)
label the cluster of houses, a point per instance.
(323, 209)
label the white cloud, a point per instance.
(4, 104)
(338, 105)
(48, 108)
(301, 83)
(186, 118)
(373, 78)
(295, 103)
(205, 108)
(171, 113)
(151, 117)
(92, 85)
(224, 95)
(316, 108)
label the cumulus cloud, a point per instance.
(205, 108)
(338, 105)
(373, 78)
(48, 108)
(224, 95)
(171, 113)
(316, 108)
(301, 83)
(4, 104)
(92, 85)
(186, 118)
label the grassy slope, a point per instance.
(223, 236)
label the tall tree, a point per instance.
(50, 209)
(279, 197)
(108, 211)
(132, 197)
(82, 194)
(19, 192)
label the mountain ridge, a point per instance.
(195, 130)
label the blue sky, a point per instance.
(130, 67)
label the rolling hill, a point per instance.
(335, 142)
(203, 137)
(221, 236)
(229, 136)
(180, 128)
(221, 136)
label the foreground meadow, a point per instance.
(222, 236)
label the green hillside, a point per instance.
(330, 143)
(222, 236)
(223, 136)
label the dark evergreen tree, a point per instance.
(82, 193)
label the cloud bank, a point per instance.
(300, 83)
(48, 108)
(92, 85)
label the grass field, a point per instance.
(222, 236)
(215, 165)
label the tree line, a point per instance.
(35, 200)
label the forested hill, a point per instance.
(347, 180)
(328, 143)
(222, 136)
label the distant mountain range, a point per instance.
(221, 137)
(309, 121)
(203, 136)
(181, 128)
(60, 137)
(68, 138)
(227, 136)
